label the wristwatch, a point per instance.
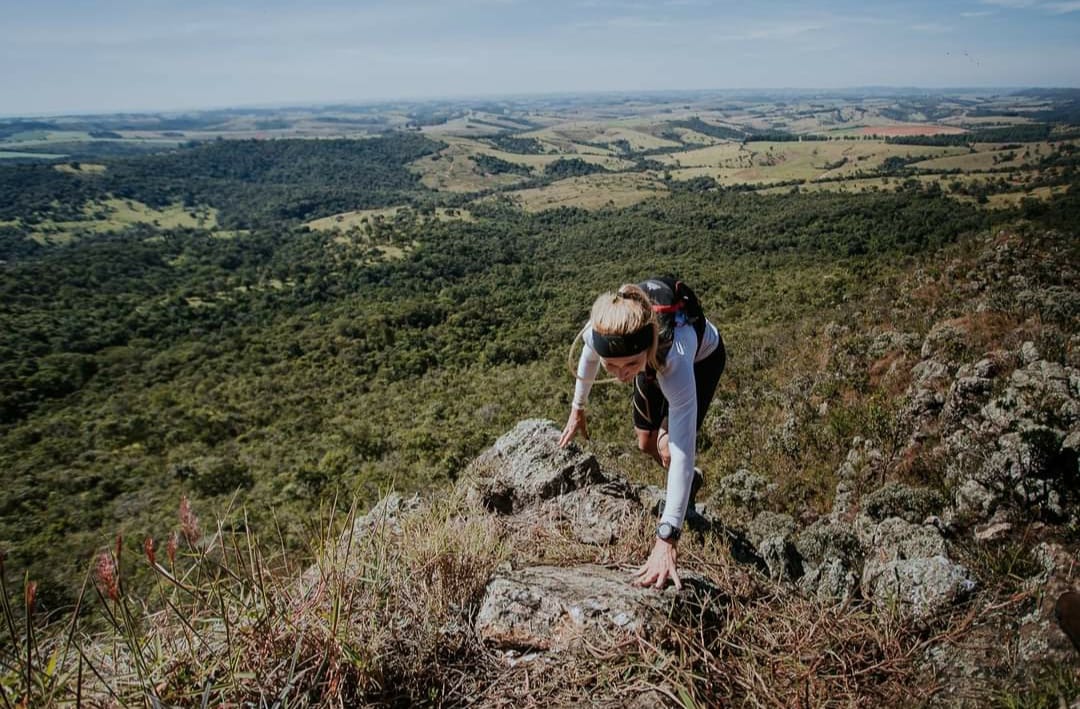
(668, 532)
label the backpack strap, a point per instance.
(670, 296)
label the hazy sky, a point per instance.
(60, 56)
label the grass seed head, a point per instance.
(170, 547)
(107, 578)
(189, 523)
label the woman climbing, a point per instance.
(655, 335)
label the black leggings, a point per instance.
(650, 406)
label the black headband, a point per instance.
(623, 345)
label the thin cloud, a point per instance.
(626, 22)
(932, 28)
(982, 13)
(1014, 4)
(1061, 8)
(778, 31)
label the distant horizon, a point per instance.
(463, 98)
(71, 58)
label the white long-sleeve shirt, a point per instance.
(676, 382)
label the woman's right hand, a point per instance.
(575, 423)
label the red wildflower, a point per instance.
(150, 549)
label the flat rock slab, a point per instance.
(557, 608)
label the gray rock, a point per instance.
(898, 539)
(772, 535)
(863, 463)
(944, 341)
(828, 539)
(918, 588)
(892, 341)
(343, 559)
(387, 514)
(1040, 638)
(907, 567)
(925, 396)
(554, 608)
(596, 514)
(832, 580)
(964, 397)
(899, 500)
(1028, 353)
(526, 466)
(652, 498)
(973, 501)
(831, 556)
(743, 489)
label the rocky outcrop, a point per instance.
(527, 479)
(1016, 452)
(526, 466)
(560, 608)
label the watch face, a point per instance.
(665, 531)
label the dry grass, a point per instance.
(595, 191)
(86, 168)
(589, 132)
(734, 163)
(383, 618)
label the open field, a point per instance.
(590, 192)
(897, 130)
(592, 134)
(16, 155)
(116, 214)
(85, 168)
(1012, 199)
(988, 156)
(734, 163)
(364, 217)
(454, 169)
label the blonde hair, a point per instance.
(623, 312)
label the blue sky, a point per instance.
(63, 56)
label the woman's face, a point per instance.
(625, 368)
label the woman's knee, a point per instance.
(646, 441)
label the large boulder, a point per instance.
(907, 568)
(918, 588)
(526, 466)
(558, 608)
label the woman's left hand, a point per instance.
(660, 566)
